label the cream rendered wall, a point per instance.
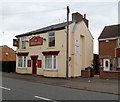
(71, 49)
(88, 40)
(60, 45)
(84, 58)
(75, 58)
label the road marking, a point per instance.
(43, 98)
(5, 88)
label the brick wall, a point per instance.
(86, 73)
(118, 69)
(107, 48)
(109, 74)
(11, 54)
(117, 52)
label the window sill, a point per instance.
(22, 67)
(51, 70)
(22, 49)
(50, 47)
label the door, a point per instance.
(106, 64)
(34, 64)
(34, 67)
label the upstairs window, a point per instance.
(23, 46)
(51, 42)
(118, 43)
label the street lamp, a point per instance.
(6, 53)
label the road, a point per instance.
(15, 89)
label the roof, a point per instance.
(110, 32)
(2, 47)
(46, 29)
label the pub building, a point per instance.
(43, 51)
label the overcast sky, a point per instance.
(21, 16)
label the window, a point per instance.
(118, 62)
(48, 62)
(118, 42)
(22, 61)
(23, 42)
(51, 62)
(51, 39)
(101, 64)
(18, 43)
(106, 63)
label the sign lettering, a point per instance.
(36, 41)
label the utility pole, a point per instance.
(67, 45)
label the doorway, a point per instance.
(106, 64)
(34, 64)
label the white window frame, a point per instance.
(50, 37)
(52, 63)
(23, 62)
(118, 64)
(118, 43)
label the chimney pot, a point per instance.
(85, 16)
(77, 17)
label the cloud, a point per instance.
(61, 0)
(24, 16)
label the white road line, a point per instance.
(5, 88)
(45, 99)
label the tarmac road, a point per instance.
(14, 89)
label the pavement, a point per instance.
(109, 86)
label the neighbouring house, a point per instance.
(109, 51)
(43, 51)
(7, 59)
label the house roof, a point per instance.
(1, 47)
(110, 32)
(46, 29)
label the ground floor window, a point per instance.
(51, 62)
(22, 61)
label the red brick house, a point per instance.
(7, 59)
(109, 51)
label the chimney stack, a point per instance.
(77, 17)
